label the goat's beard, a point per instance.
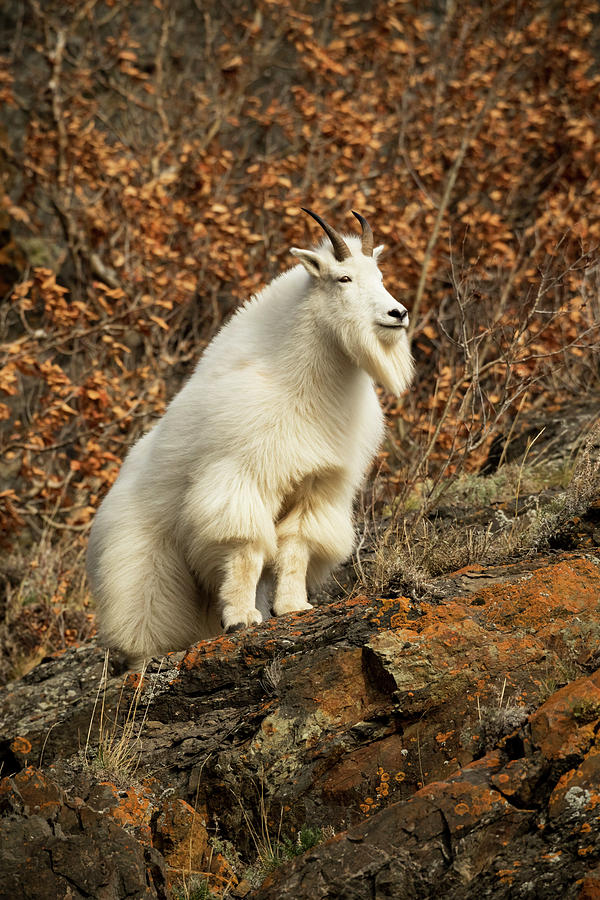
(387, 360)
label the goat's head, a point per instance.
(349, 286)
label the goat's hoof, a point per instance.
(237, 619)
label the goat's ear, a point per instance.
(311, 261)
(378, 251)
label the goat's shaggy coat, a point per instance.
(243, 492)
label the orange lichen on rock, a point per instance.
(551, 592)
(181, 835)
(590, 887)
(132, 808)
(554, 726)
(21, 746)
(355, 769)
(196, 655)
(36, 793)
(323, 685)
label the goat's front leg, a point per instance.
(290, 568)
(243, 567)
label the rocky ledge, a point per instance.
(450, 745)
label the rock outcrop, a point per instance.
(451, 744)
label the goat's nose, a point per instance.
(401, 314)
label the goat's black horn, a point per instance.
(340, 247)
(367, 234)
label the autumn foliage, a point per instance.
(154, 160)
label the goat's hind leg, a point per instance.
(315, 536)
(243, 568)
(292, 562)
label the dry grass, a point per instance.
(43, 602)
(113, 743)
(582, 490)
(272, 847)
(414, 546)
(193, 887)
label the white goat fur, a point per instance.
(243, 492)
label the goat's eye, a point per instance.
(344, 279)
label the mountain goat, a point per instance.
(242, 493)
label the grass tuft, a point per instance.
(117, 750)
